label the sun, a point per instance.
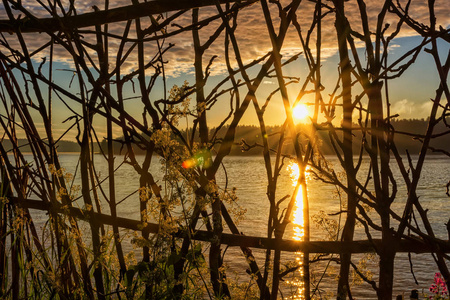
(300, 112)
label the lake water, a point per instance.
(247, 175)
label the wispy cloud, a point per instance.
(407, 109)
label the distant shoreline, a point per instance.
(403, 139)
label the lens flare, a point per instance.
(189, 163)
(200, 159)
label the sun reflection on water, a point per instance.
(298, 223)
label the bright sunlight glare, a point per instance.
(298, 223)
(300, 112)
(298, 220)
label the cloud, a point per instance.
(392, 47)
(268, 82)
(252, 34)
(407, 109)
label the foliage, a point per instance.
(438, 288)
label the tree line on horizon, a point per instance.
(249, 141)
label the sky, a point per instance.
(410, 95)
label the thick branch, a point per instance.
(119, 14)
(414, 246)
